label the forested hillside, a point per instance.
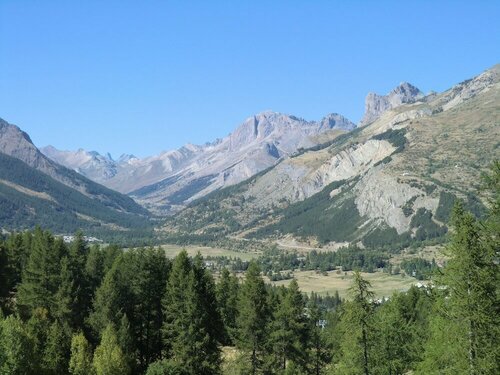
(29, 197)
(75, 309)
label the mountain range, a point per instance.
(36, 190)
(388, 179)
(167, 182)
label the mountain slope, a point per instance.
(167, 182)
(392, 181)
(35, 190)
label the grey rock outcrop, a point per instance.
(376, 105)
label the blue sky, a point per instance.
(145, 76)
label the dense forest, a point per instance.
(80, 309)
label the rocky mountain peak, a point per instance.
(336, 121)
(376, 105)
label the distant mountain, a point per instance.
(388, 183)
(90, 164)
(376, 105)
(168, 181)
(36, 190)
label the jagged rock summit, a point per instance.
(376, 105)
(175, 177)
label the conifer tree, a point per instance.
(40, 279)
(57, 349)
(471, 304)
(78, 252)
(5, 286)
(357, 328)
(126, 341)
(227, 301)
(253, 318)
(108, 356)
(16, 348)
(64, 299)
(192, 321)
(318, 350)
(149, 287)
(112, 299)
(289, 335)
(38, 329)
(81, 356)
(174, 303)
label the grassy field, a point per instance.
(382, 284)
(172, 250)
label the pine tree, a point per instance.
(126, 341)
(149, 287)
(64, 299)
(357, 328)
(398, 347)
(38, 329)
(5, 287)
(78, 252)
(227, 301)
(192, 323)
(94, 269)
(174, 303)
(81, 356)
(289, 335)
(57, 349)
(16, 348)
(40, 279)
(108, 356)
(471, 304)
(253, 317)
(112, 299)
(318, 350)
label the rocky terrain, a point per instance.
(167, 182)
(389, 180)
(376, 105)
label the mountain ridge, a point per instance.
(257, 143)
(390, 181)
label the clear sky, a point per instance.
(145, 76)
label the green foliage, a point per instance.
(395, 137)
(386, 237)
(19, 210)
(419, 268)
(253, 318)
(446, 202)
(81, 356)
(320, 216)
(288, 333)
(40, 279)
(227, 300)
(469, 313)
(109, 358)
(166, 367)
(426, 227)
(192, 325)
(57, 349)
(358, 330)
(16, 354)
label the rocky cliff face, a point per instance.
(167, 181)
(379, 177)
(376, 105)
